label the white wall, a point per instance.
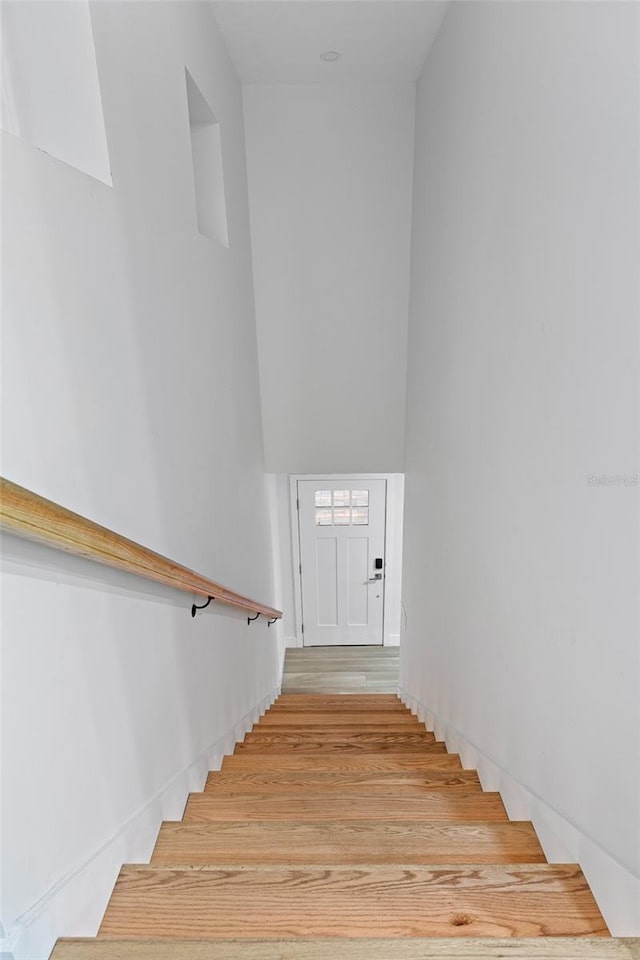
(520, 574)
(130, 394)
(286, 566)
(330, 192)
(50, 88)
(393, 560)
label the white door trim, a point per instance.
(295, 536)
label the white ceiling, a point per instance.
(280, 41)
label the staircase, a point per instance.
(341, 817)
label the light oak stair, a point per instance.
(434, 758)
(327, 720)
(412, 782)
(487, 948)
(300, 702)
(449, 805)
(341, 830)
(399, 901)
(358, 841)
(357, 734)
(325, 732)
(335, 742)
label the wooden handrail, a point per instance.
(30, 516)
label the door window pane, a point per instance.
(349, 507)
(341, 516)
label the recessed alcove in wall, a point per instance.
(50, 85)
(206, 153)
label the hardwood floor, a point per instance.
(338, 670)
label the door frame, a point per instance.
(295, 539)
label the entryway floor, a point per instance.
(341, 670)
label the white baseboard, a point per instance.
(393, 640)
(76, 904)
(615, 888)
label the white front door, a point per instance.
(342, 537)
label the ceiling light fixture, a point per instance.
(330, 56)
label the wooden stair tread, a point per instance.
(338, 683)
(398, 709)
(300, 681)
(372, 744)
(339, 701)
(370, 698)
(354, 728)
(320, 732)
(438, 900)
(335, 718)
(372, 701)
(441, 805)
(470, 948)
(355, 795)
(290, 799)
(358, 841)
(404, 783)
(349, 710)
(312, 737)
(353, 761)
